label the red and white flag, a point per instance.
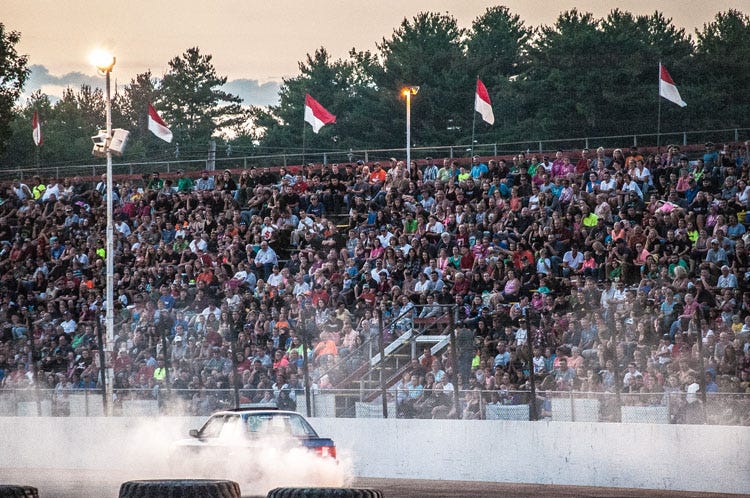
(482, 103)
(316, 114)
(667, 88)
(157, 126)
(36, 126)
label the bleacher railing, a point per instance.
(222, 161)
(568, 406)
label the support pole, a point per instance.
(381, 350)
(305, 363)
(456, 398)
(110, 255)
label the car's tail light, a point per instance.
(326, 451)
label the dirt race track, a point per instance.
(84, 484)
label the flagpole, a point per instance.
(658, 118)
(304, 139)
(474, 118)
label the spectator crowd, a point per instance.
(602, 271)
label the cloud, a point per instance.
(41, 79)
(252, 92)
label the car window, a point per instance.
(212, 427)
(283, 424)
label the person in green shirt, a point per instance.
(184, 183)
(38, 189)
(589, 219)
(155, 183)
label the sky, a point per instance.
(257, 43)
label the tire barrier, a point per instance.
(180, 488)
(325, 493)
(16, 491)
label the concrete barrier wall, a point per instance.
(647, 456)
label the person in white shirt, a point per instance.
(68, 324)
(21, 190)
(727, 280)
(422, 284)
(266, 259)
(275, 279)
(607, 183)
(572, 261)
(300, 286)
(306, 224)
(123, 227)
(385, 236)
(521, 333)
(434, 226)
(211, 309)
(198, 244)
(52, 189)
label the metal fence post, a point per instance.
(454, 355)
(572, 407)
(684, 138)
(494, 148)
(587, 142)
(381, 348)
(540, 147)
(736, 135)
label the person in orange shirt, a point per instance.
(326, 347)
(377, 175)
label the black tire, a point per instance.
(325, 493)
(180, 488)
(13, 491)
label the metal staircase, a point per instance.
(397, 355)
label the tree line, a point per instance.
(581, 76)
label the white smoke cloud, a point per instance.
(74, 457)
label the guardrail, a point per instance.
(221, 161)
(569, 406)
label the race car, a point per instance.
(249, 432)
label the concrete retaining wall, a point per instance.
(648, 456)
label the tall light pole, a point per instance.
(408, 92)
(105, 62)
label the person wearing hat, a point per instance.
(226, 183)
(205, 183)
(716, 256)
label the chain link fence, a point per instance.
(222, 158)
(571, 406)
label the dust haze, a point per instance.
(66, 458)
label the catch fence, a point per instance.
(220, 157)
(568, 406)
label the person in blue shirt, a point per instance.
(57, 248)
(710, 157)
(478, 170)
(166, 297)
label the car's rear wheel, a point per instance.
(15, 491)
(180, 488)
(325, 493)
